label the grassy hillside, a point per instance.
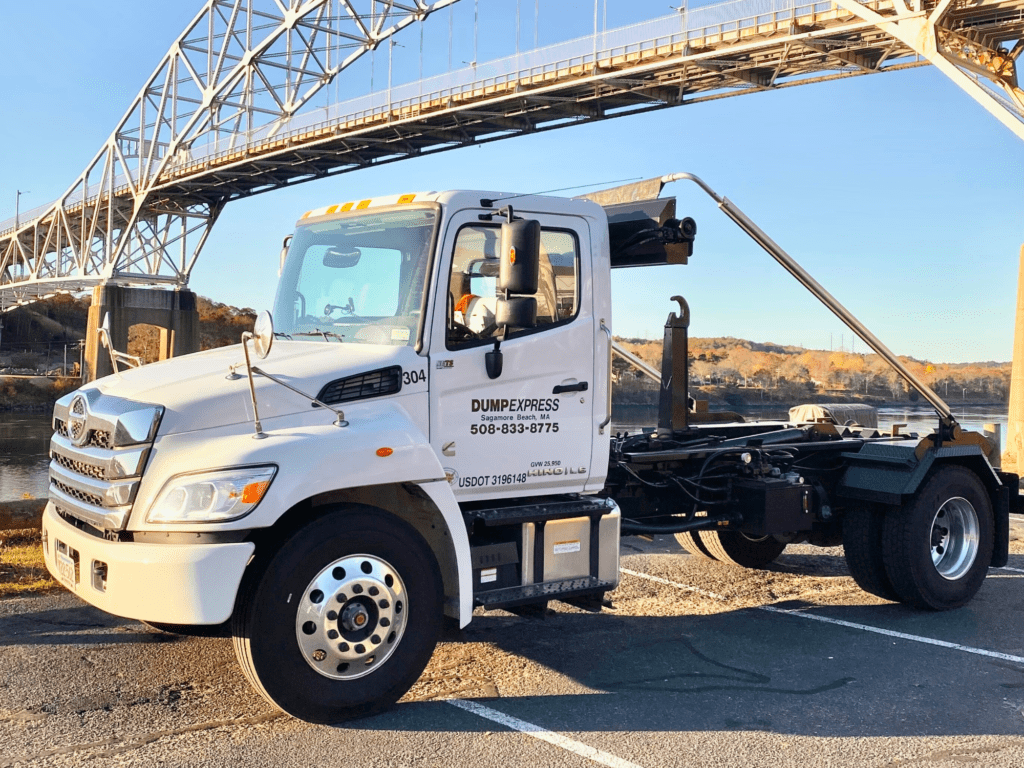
(736, 370)
(36, 340)
(726, 371)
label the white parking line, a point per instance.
(840, 622)
(571, 745)
(1008, 568)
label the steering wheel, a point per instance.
(460, 332)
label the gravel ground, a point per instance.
(665, 676)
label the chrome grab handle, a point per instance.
(608, 381)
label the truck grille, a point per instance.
(98, 451)
(82, 496)
(97, 437)
(80, 467)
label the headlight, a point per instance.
(211, 497)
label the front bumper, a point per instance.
(168, 583)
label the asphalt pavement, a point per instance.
(694, 663)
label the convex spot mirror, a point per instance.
(341, 258)
(263, 334)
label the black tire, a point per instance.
(191, 630)
(691, 542)
(739, 549)
(862, 545)
(948, 494)
(328, 689)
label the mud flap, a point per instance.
(1005, 501)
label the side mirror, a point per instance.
(284, 254)
(519, 268)
(518, 273)
(518, 279)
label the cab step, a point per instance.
(548, 590)
(544, 511)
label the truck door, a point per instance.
(530, 430)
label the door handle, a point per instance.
(581, 387)
(608, 382)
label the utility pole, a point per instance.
(17, 206)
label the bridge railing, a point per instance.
(579, 54)
(410, 99)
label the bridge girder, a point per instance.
(202, 134)
(240, 67)
(968, 54)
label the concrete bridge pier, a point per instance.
(1013, 458)
(174, 312)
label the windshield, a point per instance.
(357, 279)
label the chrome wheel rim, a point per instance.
(351, 617)
(954, 538)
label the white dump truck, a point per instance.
(423, 428)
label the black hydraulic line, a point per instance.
(633, 527)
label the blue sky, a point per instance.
(898, 192)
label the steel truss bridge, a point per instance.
(222, 116)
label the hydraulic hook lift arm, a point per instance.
(948, 426)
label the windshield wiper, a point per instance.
(318, 332)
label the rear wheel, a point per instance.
(343, 618)
(937, 548)
(862, 546)
(740, 549)
(691, 542)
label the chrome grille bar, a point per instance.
(97, 455)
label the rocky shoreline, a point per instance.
(27, 393)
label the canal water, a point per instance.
(24, 448)
(25, 437)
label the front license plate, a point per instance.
(66, 570)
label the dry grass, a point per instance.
(22, 569)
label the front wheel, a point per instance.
(343, 618)
(937, 549)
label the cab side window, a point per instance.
(472, 286)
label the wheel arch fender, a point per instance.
(892, 474)
(430, 508)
